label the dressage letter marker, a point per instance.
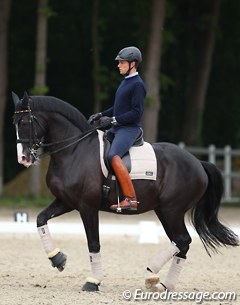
(21, 217)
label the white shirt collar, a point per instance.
(131, 75)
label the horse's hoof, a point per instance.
(151, 282)
(59, 261)
(91, 287)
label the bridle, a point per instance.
(35, 143)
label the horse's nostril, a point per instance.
(23, 158)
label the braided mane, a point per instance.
(53, 104)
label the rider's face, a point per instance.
(123, 66)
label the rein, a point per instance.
(35, 143)
(85, 135)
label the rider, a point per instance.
(124, 117)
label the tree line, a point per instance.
(67, 49)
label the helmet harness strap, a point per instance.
(130, 68)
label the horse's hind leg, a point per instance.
(156, 265)
(180, 238)
(56, 208)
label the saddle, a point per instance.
(107, 142)
(108, 138)
(140, 161)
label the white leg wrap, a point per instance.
(96, 266)
(163, 258)
(174, 272)
(47, 242)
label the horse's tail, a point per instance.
(204, 215)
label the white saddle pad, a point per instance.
(143, 160)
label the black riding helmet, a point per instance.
(130, 54)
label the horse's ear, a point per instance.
(15, 98)
(25, 100)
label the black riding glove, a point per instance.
(106, 122)
(94, 117)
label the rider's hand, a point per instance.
(94, 117)
(106, 122)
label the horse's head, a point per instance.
(29, 131)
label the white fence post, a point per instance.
(182, 145)
(212, 154)
(227, 153)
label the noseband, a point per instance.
(35, 143)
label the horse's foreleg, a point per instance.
(56, 208)
(91, 224)
(94, 280)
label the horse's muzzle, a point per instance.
(23, 158)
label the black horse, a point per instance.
(75, 179)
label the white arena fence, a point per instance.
(138, 230)
(228, 161)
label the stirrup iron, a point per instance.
(119, 209)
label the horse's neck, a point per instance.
(78, 155)
(60, 138)
(60, 128)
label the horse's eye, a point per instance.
(22, 121)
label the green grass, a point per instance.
(230, 204)
(24, 202)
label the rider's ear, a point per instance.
(25, 100)
(15, 98)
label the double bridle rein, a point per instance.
(35, 143)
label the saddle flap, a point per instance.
(143, 163)
(107, 140)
